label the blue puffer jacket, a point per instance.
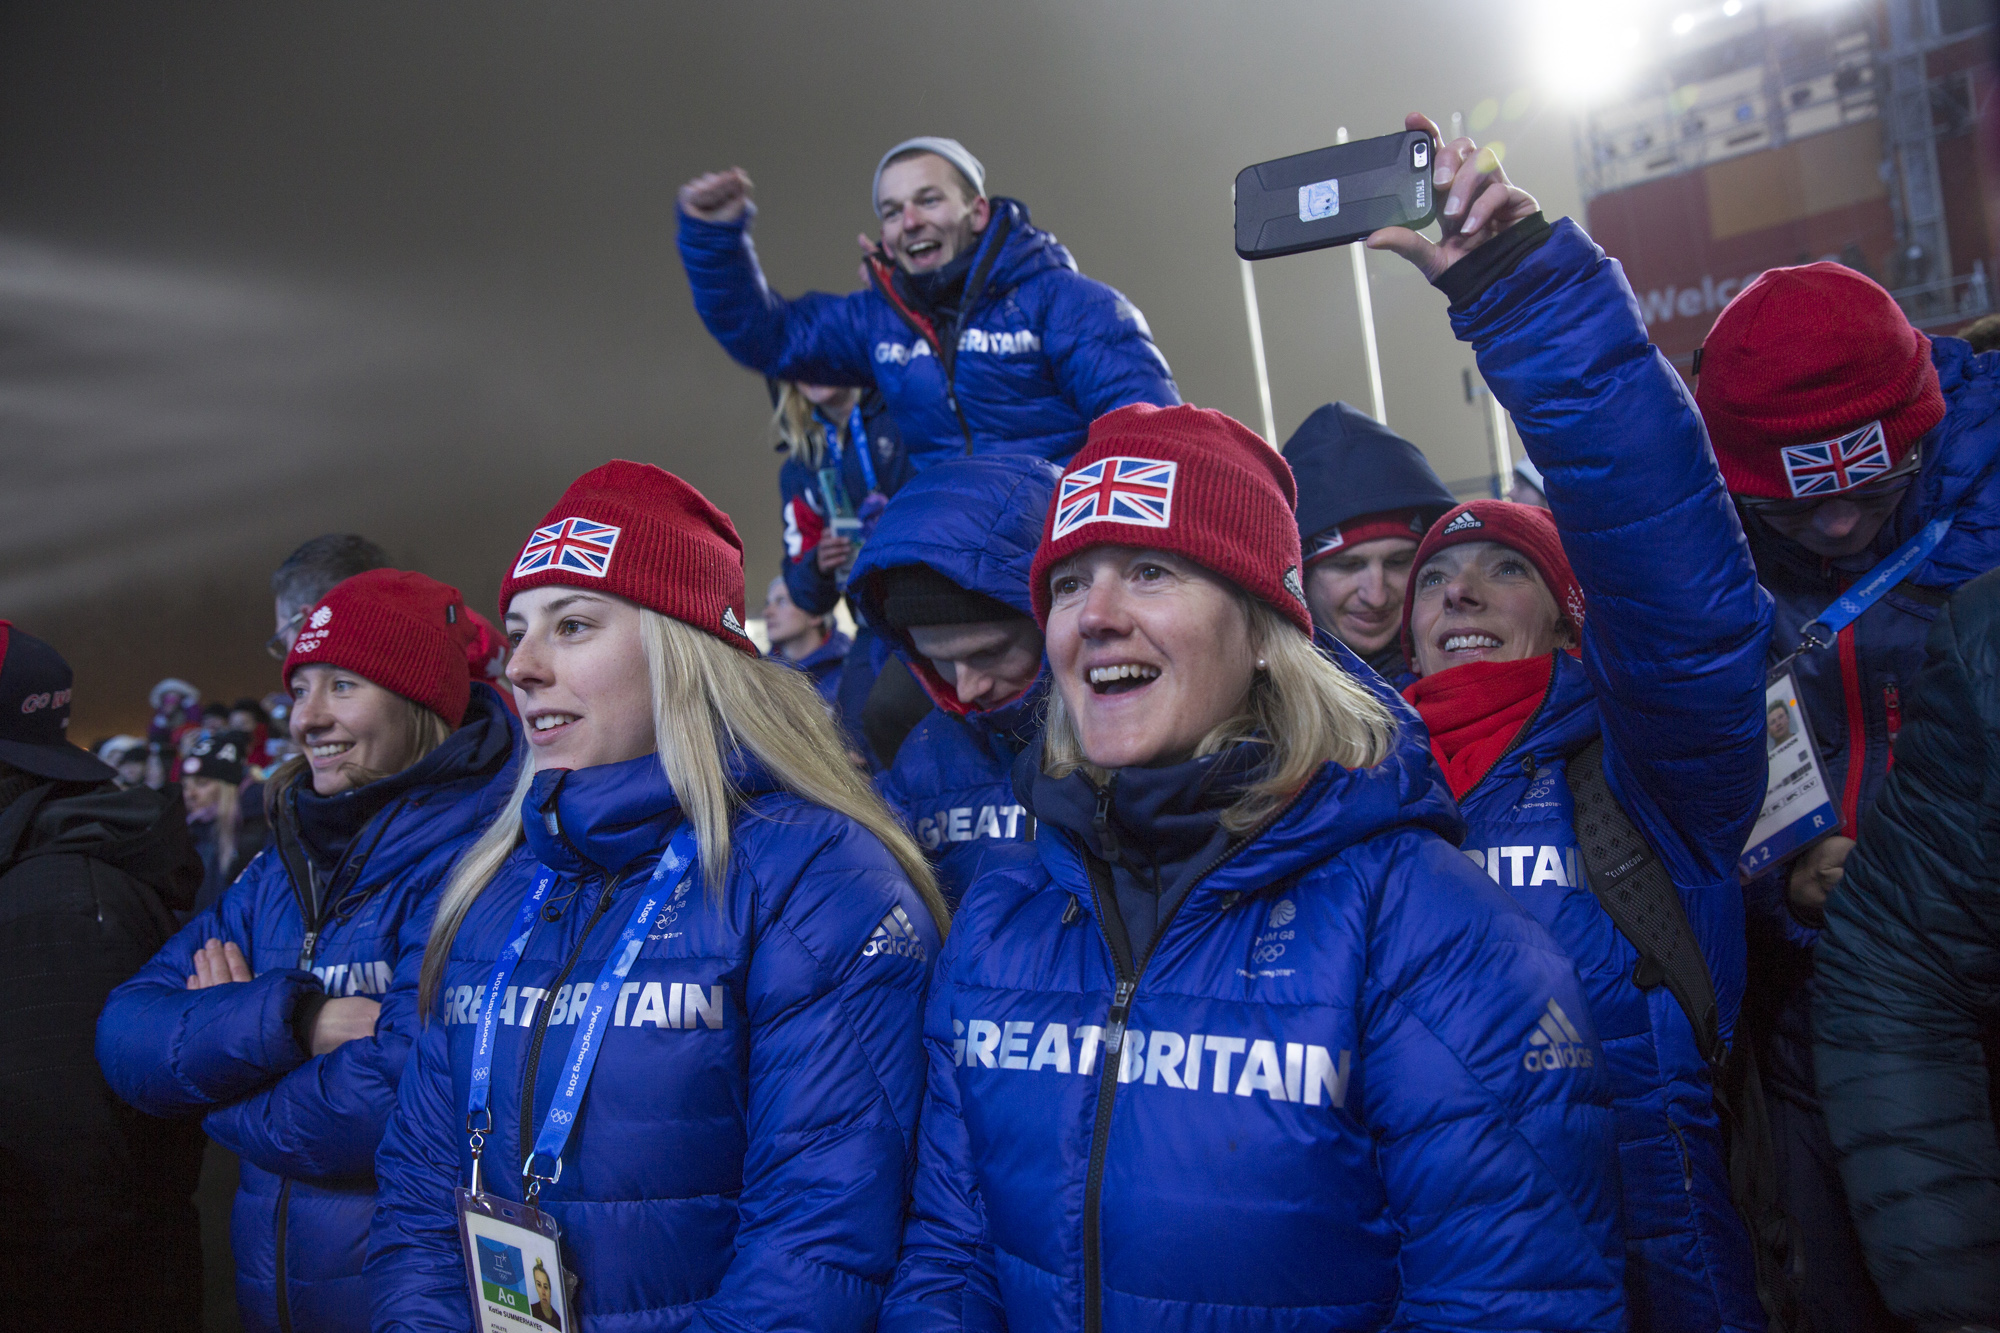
(1039, 351)
(977, 521)
(744, 1149)
(802, 508)
(1853, 689)
(1321, 1116)
(1672, 676)
(307, 1128)
(822, 665)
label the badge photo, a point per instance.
(513, 1262)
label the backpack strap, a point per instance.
(1638, 895)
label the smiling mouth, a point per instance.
(1468, 641)
(329, 749)
(924, 249)
(543, 724)
(1122, 678)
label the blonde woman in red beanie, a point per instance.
(1241, 1048)
(673, 991)
(1865, 459)
(269, 1015)
(1554, 728)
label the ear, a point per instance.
(982, 213)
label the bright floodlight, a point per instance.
(1586, 48)
(1684, 24)
(1731, 8)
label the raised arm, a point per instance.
(1907, 970)
(1677, 625)
(172, 1051)
(817, 338)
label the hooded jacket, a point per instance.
(96, 1203)
(1318, 1102)
(1907, 1005)
(976, 521)
(314, 923)
(1347, 464)
(742, 1155)
(1037, 353)
(1671, 675)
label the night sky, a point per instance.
(268, 271)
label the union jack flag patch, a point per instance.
(1138, 491)
(575, 544)
(1832, 466)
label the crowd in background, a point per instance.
(1217, 884)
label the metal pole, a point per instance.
(1257, 352)
(1358, 253)
(1503, 453)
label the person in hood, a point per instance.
(691, 883)
(266, 1019)
(976, 326)
(1660, 685)
(1243, 1047)
(1845, 436)
(1366, 495)
(97, 1216)
(947, 574)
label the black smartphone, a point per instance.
(1334, 196)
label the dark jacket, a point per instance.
(803, 507)
(1671, 675)
(977, 521)
(1908, 989)
(1321, 1115)
(305, 1126)
(97, 1221)
(1031, 355)
(741, 1157)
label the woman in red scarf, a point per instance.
(1518, 689)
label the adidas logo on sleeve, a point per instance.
(1555, 1044)
(895, 934)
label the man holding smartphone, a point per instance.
(976, 325)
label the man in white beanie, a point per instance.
(975, 325)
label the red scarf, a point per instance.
(1475, 711)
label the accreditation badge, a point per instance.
(1798, 805)
(513, 1266)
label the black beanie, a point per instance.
(220, 757)
(919, 595)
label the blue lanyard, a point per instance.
(1849, 606)
(857, 435)
(586, 1045)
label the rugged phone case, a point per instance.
(1334, 196)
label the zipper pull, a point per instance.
(1528, 765)
(306, 948)
(1114, 1024)
(1072, 912)
(1100, 823)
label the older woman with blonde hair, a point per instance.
(692, 883)
(1244, 1047)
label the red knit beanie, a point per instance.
(1405, 523)
(637, 532)
(1813, 381)
(1525, 528)
(1187, 480)
(402, 631)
